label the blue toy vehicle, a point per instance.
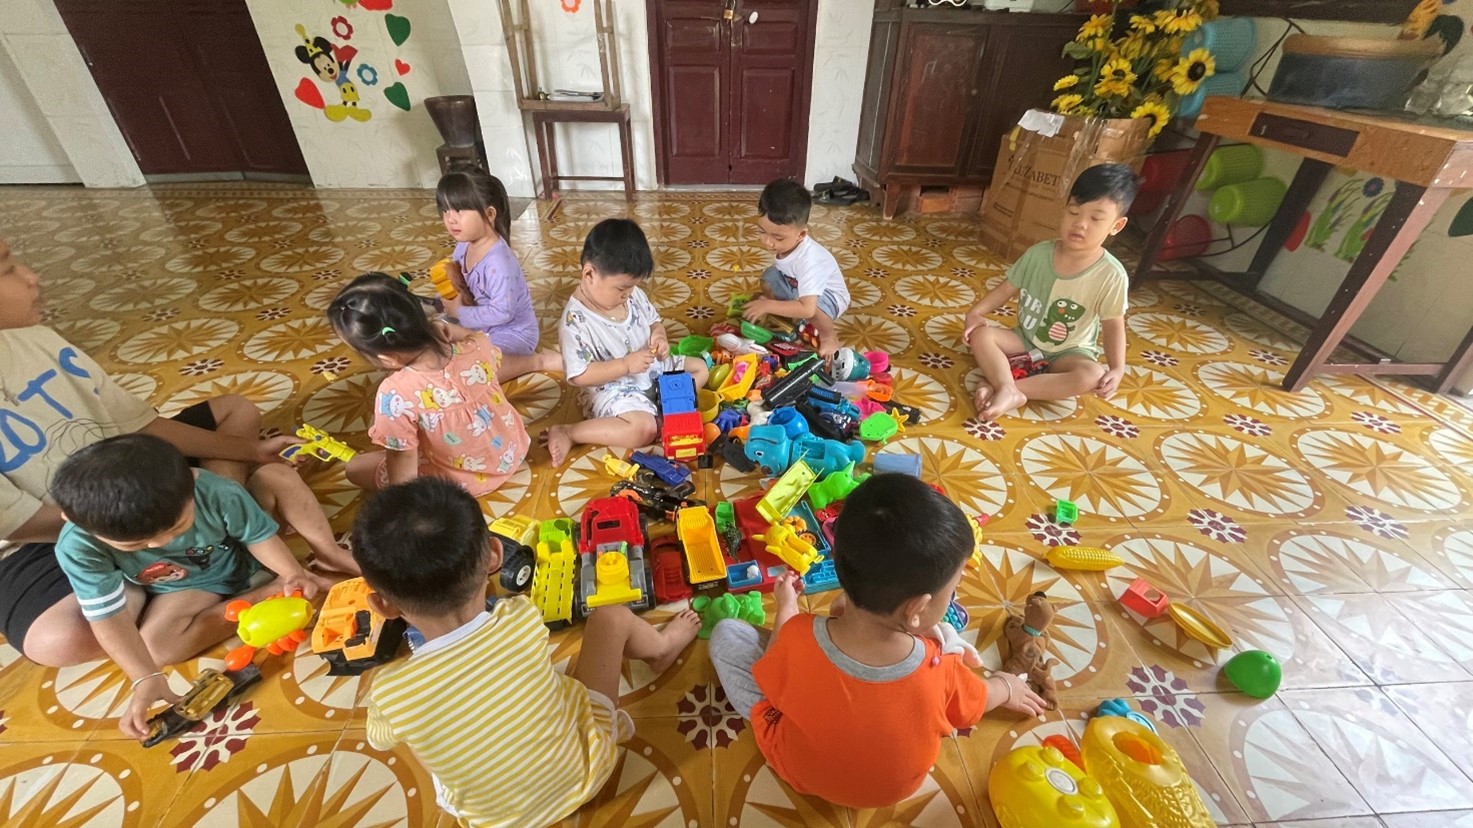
(826, 456)
(673, 475)
(677, 393)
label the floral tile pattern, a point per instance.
(1329, 527)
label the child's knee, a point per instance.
(241, 413)
(697, 370)
(644, 428)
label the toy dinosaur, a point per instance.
(1028, 645)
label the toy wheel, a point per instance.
(517, 571)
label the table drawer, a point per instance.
(1308, 135)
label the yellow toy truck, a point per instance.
(350, 635)
(518, 536)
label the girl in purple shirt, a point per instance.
(493, 290)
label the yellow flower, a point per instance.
(1097, 26)
(1178, 21)
(1163, 69)
(1142, 24)
(1066, 104)
(1115, 79)
(1100, 45)
(1066, 82)
(1134, 45)
(1157, 112)
(1192, 70)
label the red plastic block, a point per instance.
(1143, 599)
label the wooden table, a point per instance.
(1427, 162)
(581, 113)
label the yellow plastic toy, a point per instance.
(976, 558)
(739, 381)
(319, 444)
(697, 533)
(517, 528)
(611, 579)
(1199, 626)
(1142, 775)
(276, 625)
(553, 578)
(786, 492)
(783, 543)
(441, 279)
(1087, 558)
(618, 467)
(1035, 786)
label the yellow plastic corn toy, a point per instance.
(440, 278)
(1087, 558)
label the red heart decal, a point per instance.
(309, 94)
(375, 5)
(401, 67)
(344, 54)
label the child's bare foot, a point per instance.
(982, 396)
(678, 633)
(1005, 400)
(558, 444)
(549, 362)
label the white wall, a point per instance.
(30, 153)
(841, 51)
(52, 72)
(478, 28)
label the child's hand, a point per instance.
(660, 344)
(1110, 382)
(1019, 698)
(952, 642)
(755, 309)
(785, 590)
(638, 362)
(307, 583)
(269, 451)
(456, 277)
(149, 692)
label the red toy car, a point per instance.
(670, 583)
(609, 520)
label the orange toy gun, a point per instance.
(276, 624)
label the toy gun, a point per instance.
(794, 387)
(319, 444)
(440, 278)
(276, 624)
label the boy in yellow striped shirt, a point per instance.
(509, 740)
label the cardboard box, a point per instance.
(1037, 164)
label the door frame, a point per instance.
(657, 90)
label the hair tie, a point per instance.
(386, 331)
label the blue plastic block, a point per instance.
(677, 393)
(820, 577)
(744, 575)
(903, 463)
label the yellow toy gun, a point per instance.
(440, 278)
(319, 444)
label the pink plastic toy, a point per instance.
(879, 361)
(1144, 600)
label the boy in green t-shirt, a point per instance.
(1071, 304)
(154, 550)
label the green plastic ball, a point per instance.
(1254, 672)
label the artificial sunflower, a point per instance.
(1116, 78)
(1191, 70)
(1158, 113)
(1142, 23)
(1134, 45)
(1178, 21)
(1096, 26)
(1164, 69)
(1066, 82)
(1067, 104)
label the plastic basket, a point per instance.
(1231, 165)
(1231, 40)
(1252, 203)
(1223, 83)
(1159, 174)
(1188, 237)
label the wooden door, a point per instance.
(1022, 64)
(187, 83)
(936, 96)
(732, 81)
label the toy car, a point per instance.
(669, 573)
(609, 520)
(350, 635)
(652, 502)
(212, 690)
(673, 475)
(518, 536)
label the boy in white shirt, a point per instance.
(804, 282)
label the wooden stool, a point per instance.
(542, 124)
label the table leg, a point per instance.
(537, 131)
(551, 127)
(1206, 143)
(1457, 364)
(1410, 211)
(1306, 183)
(626, 147)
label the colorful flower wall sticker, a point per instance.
(367, 75)
(342, 28)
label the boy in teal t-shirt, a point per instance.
(1071, 304)
(154, 550)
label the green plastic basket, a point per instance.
(1231, 165)
(1252, 203)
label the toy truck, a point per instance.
(319, 444)
(609, 520)
(554, 581)
(211, 691)
(652, 502)
(350, 635)
(669, 575)
(518, 536)
(615, 573)
(702, 546)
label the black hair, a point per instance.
(1115, 182)
(617, 247)
(125, 488)
(786, 202)
(423, 544)
(376, 314)
(468, 188)
(898, 538)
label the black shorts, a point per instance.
(31, 580)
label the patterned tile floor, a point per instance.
(1330, 527)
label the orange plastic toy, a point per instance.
(276, 624)
(441, 280)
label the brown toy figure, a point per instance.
(1028, 643)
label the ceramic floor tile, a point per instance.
(1444, 712)
(664, 775)
(747, 792)
(53, 782)
(1409, 771)
(276, 778)
(1445, 618)
(1380, 640)
(1343, 822)
(1327, 561)
(1449, 547)
(997, 734)
(1429, 819)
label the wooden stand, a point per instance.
(1427, 163)
(542, 126)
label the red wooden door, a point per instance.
(732, 85)
(187, 83)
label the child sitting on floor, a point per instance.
(805, 281)
(614, 344)
(154, 550)
(442, 410)
(493, 296)
(1071, 300)
(852, 707)
(509, 740)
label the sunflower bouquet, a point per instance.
(1131, 63)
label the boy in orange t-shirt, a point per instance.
(829, 721)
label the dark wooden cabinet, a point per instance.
(943, 87)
